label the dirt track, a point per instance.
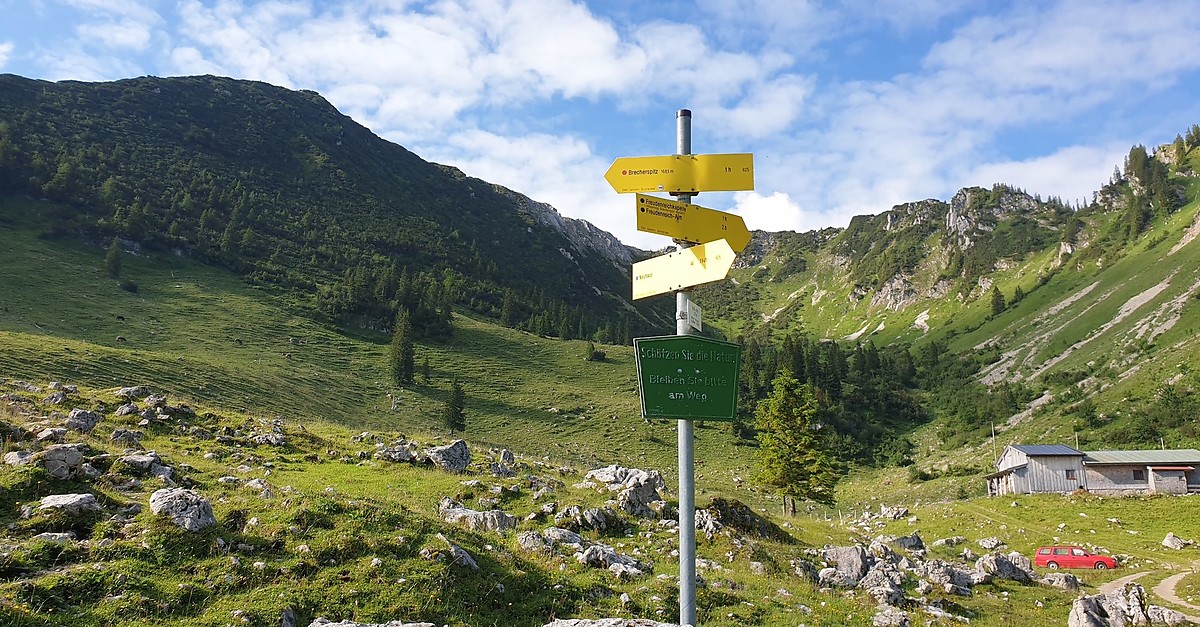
(1164, 590)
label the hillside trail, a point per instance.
(1165, 589)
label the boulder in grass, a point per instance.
(82, 420)
(454, 457)
(62, 461)
(1173, 541)
(133, 392)
(185, 508)
(70, 504)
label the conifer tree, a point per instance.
(454, 413)
(997, 301)
(508, 313)
(795, 456)
(402, 349)
(112, 261)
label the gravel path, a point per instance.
(1117, 584)
(1165, 590)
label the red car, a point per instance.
(1054, 557)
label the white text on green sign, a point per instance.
(686, 376)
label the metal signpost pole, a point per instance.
(687, 479)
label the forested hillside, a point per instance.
(282, 188)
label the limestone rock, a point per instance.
(532, 541)
(850, 561)
(1163, 616)
(604, 556)
(493, 520)
(1014, 567)
(635, 488)
(127, 437)
(128, 393)
(18, 458)
(1173, 541)
(454, 457)
(1062, 581)
(186, 508)
(71, 504)
(707, 524)
(592, 518)
(53, 434)
(884, 583)
(55, 538)
(127, 409)
(399, 453)
(890, 617)
(459, 557)
(269, 439)
(992, 543)
(556, 536)
(62, 461)
(82, 420)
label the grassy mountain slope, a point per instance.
(1094, 330)
(279, 186)
(203, 333)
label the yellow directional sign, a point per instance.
(682, 269)
(690, 223)
(682, 174)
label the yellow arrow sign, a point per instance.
(690, 223)
(682, 269)
(682, 174)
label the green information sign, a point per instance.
(688, 377)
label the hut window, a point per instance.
(1139, 474)
(1070, 474)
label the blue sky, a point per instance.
(850, 107)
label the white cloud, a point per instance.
(72, 63)
(555, 47)
(768, 107)
(1071, 173)
(558, 170)
(6, 48)
(1075, 46)
(116, 34)
(132, 9)
(776, 211)
(926, 134)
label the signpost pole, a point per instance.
(687, 479)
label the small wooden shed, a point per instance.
(1036, 468)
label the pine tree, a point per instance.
(402, 352)
(795, 456)
(997, 301)
(454, 415)
(112, 261)
(508, 313)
